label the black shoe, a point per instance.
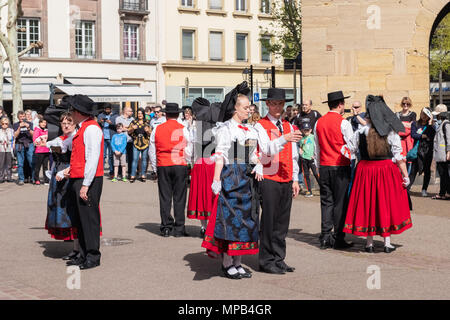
(324, 244)
(283, 266)
(75, 262)
(231, 276)
(389, 249)
(342, 244)
(165, 233)
(181, 234)
(89, 265)
(369, 249)
(71, 255)
(271, 269)
(247, 275)
(132, 180)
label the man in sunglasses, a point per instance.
(357, 119)
(158, 119)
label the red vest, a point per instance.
(77, 159)
(278, 168)
(170, 144)
(331, 140)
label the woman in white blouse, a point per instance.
(379, 202)
(6, 142)
(233, 226)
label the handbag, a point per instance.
(412, 154)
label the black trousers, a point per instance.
(443, 168)
(334, 184)
(87, 217)
(41, 160)
(172, 185)
(276, 213)
(426, 173)
(306, 166)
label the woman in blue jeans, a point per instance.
(139, 131)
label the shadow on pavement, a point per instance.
(203, 266)
(358, 242)
(56, 249)
(192, 231)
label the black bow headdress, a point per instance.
(383, 119)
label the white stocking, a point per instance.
(237, 263)
(369, 242)
(227, 262)
(387, 242)
(204, 223)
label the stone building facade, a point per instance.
(369, 47)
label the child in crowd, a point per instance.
(42, 153)
(119, 146)
(6, 145)
(307, 156)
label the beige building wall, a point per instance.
(59, 24)
(201, 71)
(368, 47)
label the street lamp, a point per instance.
(247, 75)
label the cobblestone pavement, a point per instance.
(139, 264)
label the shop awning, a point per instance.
(88, 81)
(30, 91)
(108, 93)
(40, 80)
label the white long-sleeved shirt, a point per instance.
(347, 132)
(229, 132)
(270, 148)
(393, 140)
(188, 150)
(93, 139)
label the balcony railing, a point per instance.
(135, 6)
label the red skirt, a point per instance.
(378, 201)
(200, 193)
(215, 247)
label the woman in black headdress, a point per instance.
(379, 201)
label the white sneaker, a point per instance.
(424, 193)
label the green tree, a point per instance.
(440, 52)
(285, 30)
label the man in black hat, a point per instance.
(332, 134)
(277, 143)
(86, 180)
(170, 149)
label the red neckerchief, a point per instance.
(242, 127)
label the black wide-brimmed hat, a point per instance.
(383, 119)
(82, 103)
(172, 108)
(336, 96)
(276, 94)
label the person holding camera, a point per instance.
(23, 133)
(442, 150)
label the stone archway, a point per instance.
(343, 52)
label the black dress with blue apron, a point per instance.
(59, 219)
(236, 221)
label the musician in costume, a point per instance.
(170, 151)
(233, 228)
(279, 156)
(379, 201)
(86, 180)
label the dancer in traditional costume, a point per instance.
(59, 216)
(233, 228)
(201, 197)
(379, 200)
(86, 180)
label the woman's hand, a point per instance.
(258, 171)
(406, 182)
(216, 187)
